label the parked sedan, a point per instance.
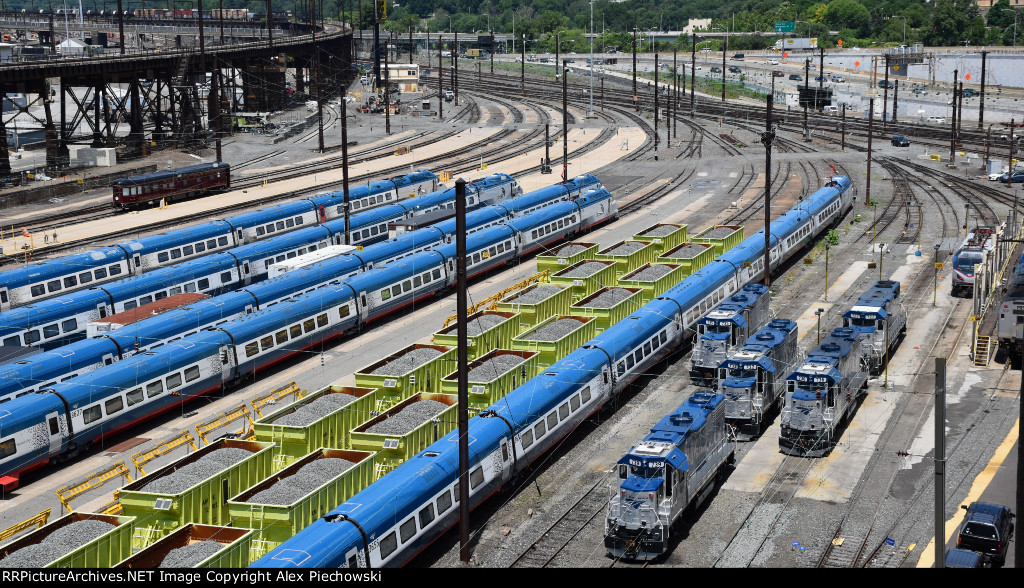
(1015, 177)
(778, 73)
(772, 62)
(734, 69)
(838, 79)
(900, 141)
(716, 69)
(921, 91)
(796, 77)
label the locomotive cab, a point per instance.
(744, 380)
(636, 527)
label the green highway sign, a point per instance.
(785, 27)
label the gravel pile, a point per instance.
(57, 544)
(484, 322)
(570, 250)
(718, 233)
(408, 418)
(310, 413)
(191, 474)
(408, 362)
(190, 555)
(651, 273)
(660, 231)
(554, 331)
(309, 477)
(536, 294)
(582, 270)
(607, 299)
(627, 248)
(686, 251)
(494, 367)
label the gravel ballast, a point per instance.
(650, 273)
(483, 323)
(660, 231)
(583, 270)
(493, 367)
(607, 299)
(628, 248)
(408, 418)
(570, 250)
(408, 362)
(190, 555)
(309, 477)
(554, 331)
(57, 544)
(535, 295)
(686, 251)
(191, 474)
(310, 413)
(718, 233)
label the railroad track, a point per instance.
(555, 538)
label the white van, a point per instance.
(831, 110)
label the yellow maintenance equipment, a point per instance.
(491, 302)
(37, 521)
(240, 412)
(94, 480)
(258, 404)
(143, 457)
(111, 508)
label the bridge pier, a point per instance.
(5, 156)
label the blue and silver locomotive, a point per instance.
(725, 327)
(672, 469)
(753, 378)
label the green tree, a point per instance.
(848, 14)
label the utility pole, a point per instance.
(522, 68)
(885, 95)
(952, 128)
(440, 78)
(657, 137)
(344, 162)
(940, 462)
(693, 73)
(871, 129)
(462, 366)
(981, 100)
(565, 122)
(635, 103)
(896, 102)
(767, 138)
(387, 90)
(807, 86)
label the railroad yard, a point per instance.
(867, 503)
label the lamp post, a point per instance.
(827, 247)
(904, 26)
(935, 274)
(1015, 15)
(881, 258)
(591, 110)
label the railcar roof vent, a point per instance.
(681, 419)
(830, 347)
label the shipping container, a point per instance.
(407, 372)
(205, 502)
(627, 255)
(723, 237)
(608, 306)
(653, 285)
(393, 448)
(537, 303)
(555, 341)
(493, 329)
(102, 552)
(690, 256)
(493, 376)
(563, 255)
(586, 277)
(330, 430)
(234, 554)
(277, 523)
(662, 236)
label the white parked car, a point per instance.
(937, 120)
(995, 176)
(773, 62)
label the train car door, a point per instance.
(53, 430)
(239, 236)
(137, 262)
(5, 299)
